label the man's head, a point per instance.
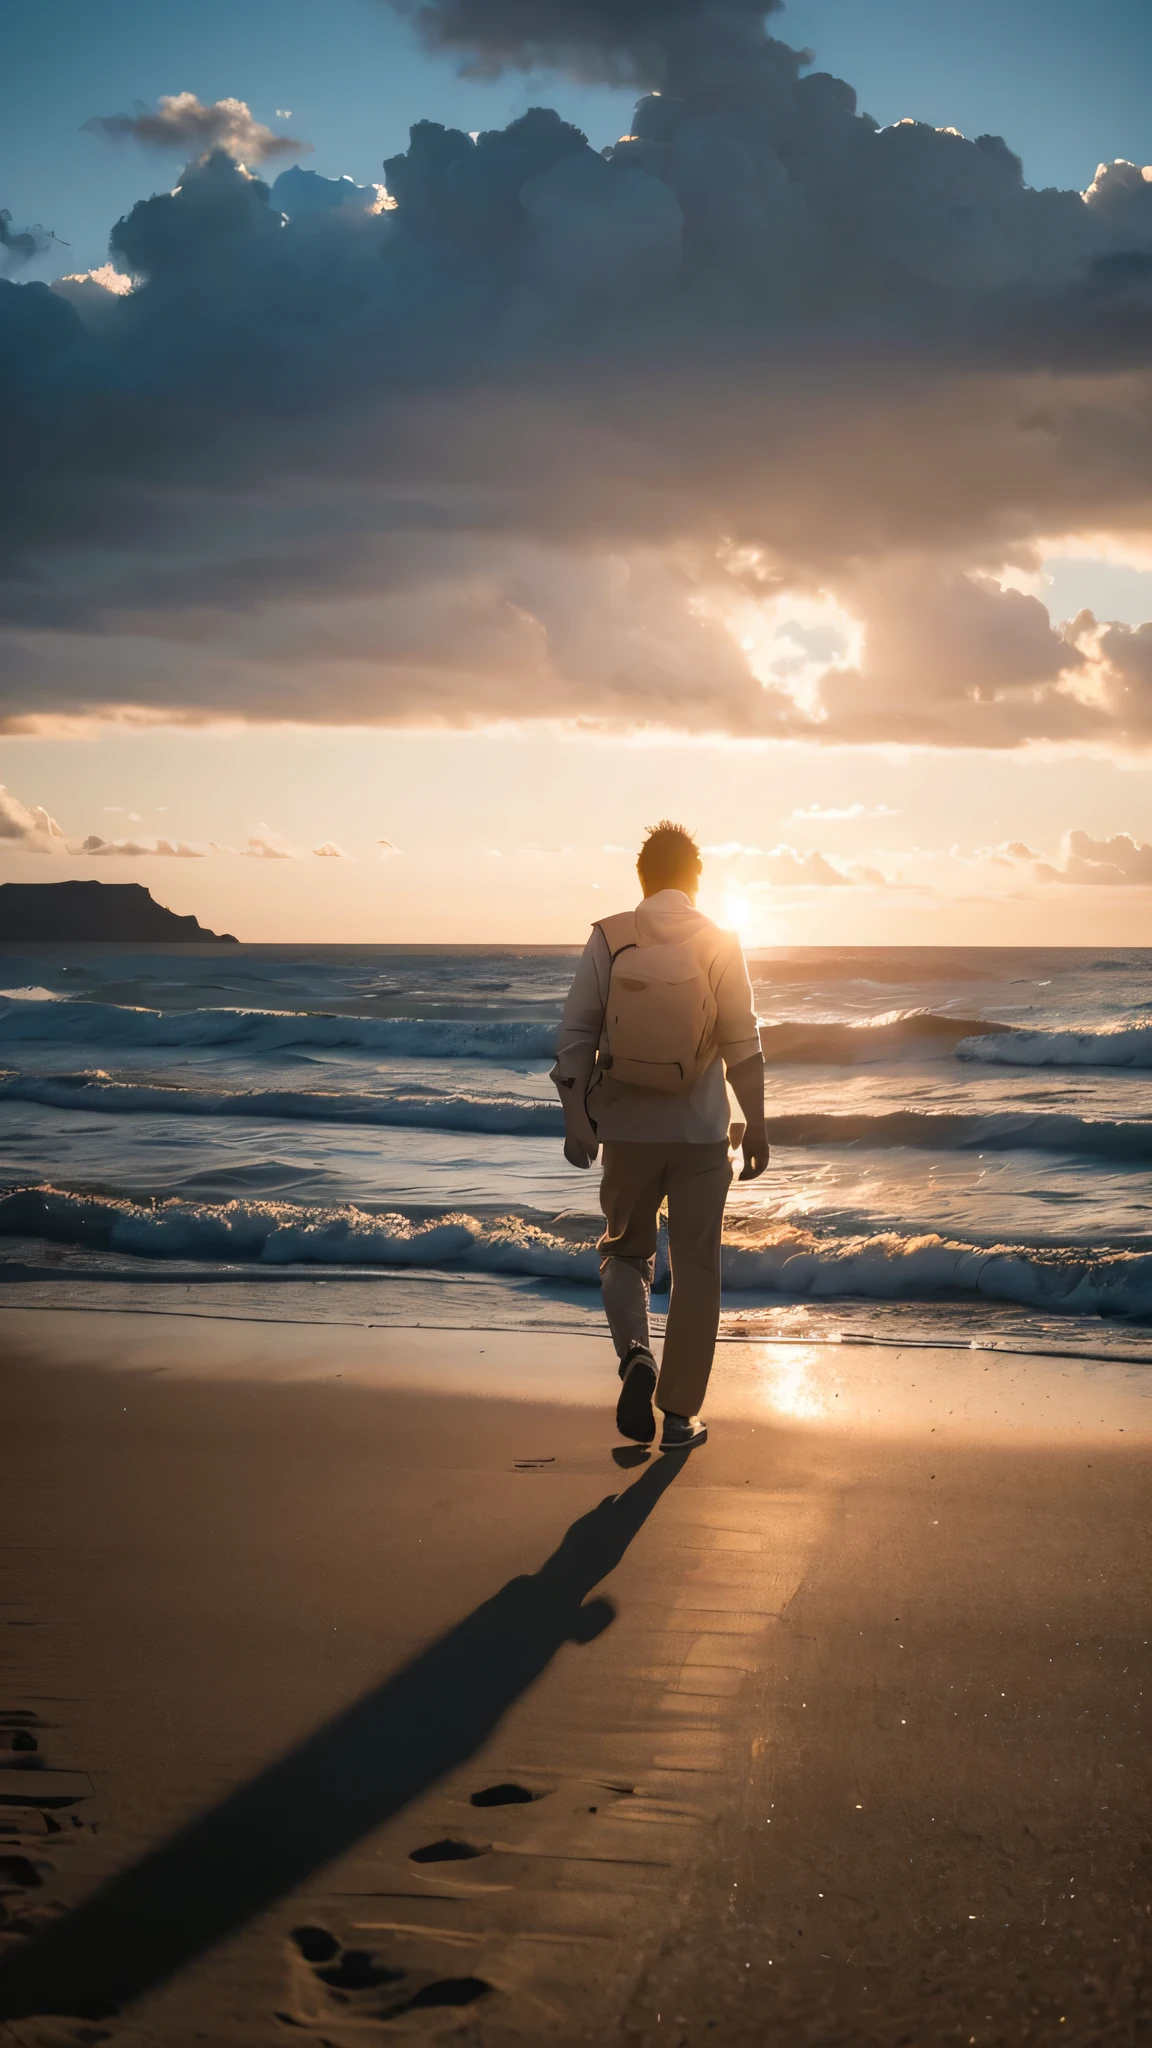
(669, 859)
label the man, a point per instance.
(663, 1116)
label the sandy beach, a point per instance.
(370, 1696)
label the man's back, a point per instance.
(647, 1115)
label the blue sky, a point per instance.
(1064, 83)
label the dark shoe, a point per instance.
(683, 1433)
(635, 1351)
(634, 1415)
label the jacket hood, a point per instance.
(667, 918)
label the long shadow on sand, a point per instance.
(348, 1778)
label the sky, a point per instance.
(379, 570)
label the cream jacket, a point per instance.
(636, 1116)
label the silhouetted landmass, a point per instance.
(119, 911)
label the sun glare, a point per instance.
(737, 915)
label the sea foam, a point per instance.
(1122, 1046)
(778, 1259)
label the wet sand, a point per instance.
(365, 1704)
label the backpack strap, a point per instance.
(619, 932)
(620, 936)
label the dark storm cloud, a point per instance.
(19, 245)
(687, 44)
(550, 431)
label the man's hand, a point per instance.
(580, 1141)
(747, 1081)
(755, 1149)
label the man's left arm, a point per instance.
(738, 1037)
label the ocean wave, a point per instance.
(27, 1017)
(897, 1035)
(498, 1116)
(1119, 1139)
(777, 1259)
(290, 1233)
(1088, 1137)
(1114, 1046)
(25, 1020)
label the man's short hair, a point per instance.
(669, 857)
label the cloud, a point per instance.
(181, 121)
(31, 830)
(19, 245)
(552, 436)
(614, 42)
(787, 867)
(297, 192)
(164, 849)
(264, 844)
(1110, 863)
(330, 851)
(783, 866)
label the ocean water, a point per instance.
(961, 1141)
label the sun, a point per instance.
(737, 915)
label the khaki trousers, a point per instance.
(695, 1180)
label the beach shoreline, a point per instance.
(824, 1736)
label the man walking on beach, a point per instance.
(658, 1025)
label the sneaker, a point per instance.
(636, 1350)
(683, 1432)
(634, 1414)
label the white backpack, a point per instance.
(659, 1017)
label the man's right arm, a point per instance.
(747, 1083)
(738, 1038)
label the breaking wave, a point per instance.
(25, 1020)
(1117, 1138)
(779, 1259)
(26, 1017)
(918, 1034)
(1122, 1046)
(493, 1114)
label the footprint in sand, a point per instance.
(448, 1850)
(505, 1795)
(334, 1984)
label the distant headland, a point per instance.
(123, 912)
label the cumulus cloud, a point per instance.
(181, 121)
(330, 851)
(787, 867)
(557, 431)
(165, 849)
(31, 830)
(615, 42)
(298, 192)
(783, 866)
(1117, 862)
(264, 844)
